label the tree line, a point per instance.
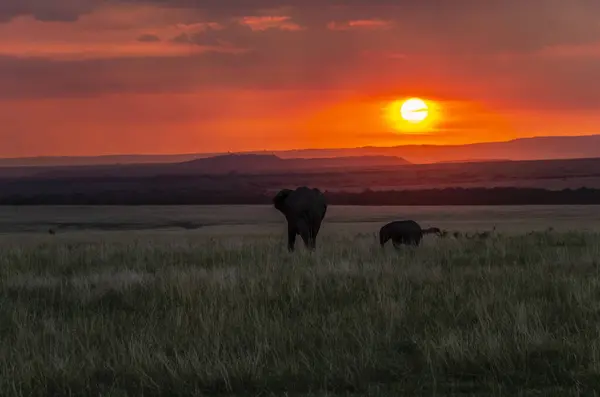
(200, 196)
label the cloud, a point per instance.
(360, 24)
(148, 38)
(460, 27)
(262, 23)
(430, 47)
(465, 26)
(487, 24)
(198, 26)
(47, 10)
(105, 33)
(244, 34)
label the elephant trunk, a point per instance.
(432, 230)
(383, 238)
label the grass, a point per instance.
(188, 314)
(265, 220)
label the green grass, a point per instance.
(187, 314)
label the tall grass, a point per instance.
(503, 316)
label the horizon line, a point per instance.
(291, 150)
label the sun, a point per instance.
(412, 115)
(414, 110)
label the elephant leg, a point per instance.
(305, 232)
(307, 239)
(312, 241)
(305, 235)
(291, 236)
(314, 233)
(397, 243)
(415, 240)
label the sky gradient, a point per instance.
(91, 77)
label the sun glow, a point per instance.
(412, 115)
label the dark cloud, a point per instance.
(239, 35)
(148, 38)
(46, 10)
(470, 25)
(198, 38)
(464, 26)
(185, 38)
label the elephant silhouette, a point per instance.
(406, 232)
(304, 209)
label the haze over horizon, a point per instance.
(92, 77)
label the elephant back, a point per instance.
(305, 200)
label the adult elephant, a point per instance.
(304, 210)
(404, 232)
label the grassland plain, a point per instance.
(171, 312)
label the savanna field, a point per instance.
(191, 301)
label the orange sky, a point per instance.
(88, 77)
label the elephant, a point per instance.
(404, 232)
(304, 210)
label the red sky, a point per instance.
(88, 77)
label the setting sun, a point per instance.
(413, 115)
(414, 110)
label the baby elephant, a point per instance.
(404, 232)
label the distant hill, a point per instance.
(61, 161)
(261, 163)
(537, 148)
(473, 161)
(222, 164)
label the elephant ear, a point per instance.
(323, 202)
(279, 199)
